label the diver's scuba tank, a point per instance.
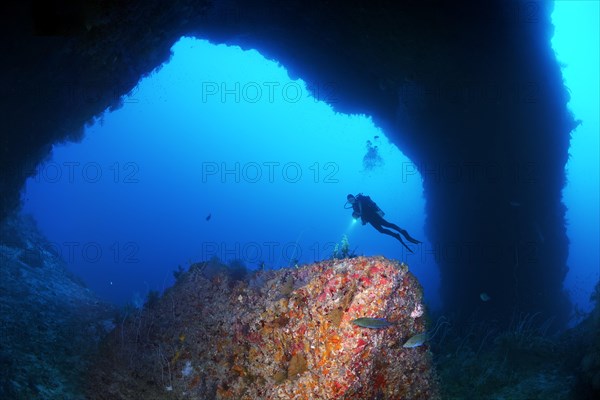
(378, 210)
(370, 202)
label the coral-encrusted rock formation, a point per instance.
(283, 334)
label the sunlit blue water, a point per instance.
(576, 43)
(221, 132)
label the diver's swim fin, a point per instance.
(403, 244)
(408, 237)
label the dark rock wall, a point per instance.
(51, 324)
(470, 91)
(66, 62)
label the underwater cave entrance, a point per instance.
(220, 153)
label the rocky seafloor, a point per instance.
(284, 334)
(50, 323)
(225, 332)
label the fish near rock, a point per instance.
(416, 340)
(420, 338)
(372, 323)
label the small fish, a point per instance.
(514, 203)
(373, 323)
(208, 217)
(420, 338)
(484, 296)
(416, 340)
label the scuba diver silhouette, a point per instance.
(365, 208)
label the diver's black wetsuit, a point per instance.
(368, 212)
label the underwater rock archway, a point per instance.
(470, 91)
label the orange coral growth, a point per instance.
(224, 393)
(239, 370)
(194, 382)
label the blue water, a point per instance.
(222, 132)
(225, 133)
(576, 43)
